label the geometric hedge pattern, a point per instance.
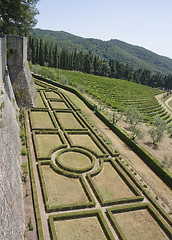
(86, 191)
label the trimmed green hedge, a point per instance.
(150, 160)
(104, 152)
(82, 170)
(62, 101)
(33, 187)
(125, 178)
(35, 144)
(42, 110)
(112, 154)
(75, 116)
(91, 202)
(146, 193)
(136, 207)
(81, 214)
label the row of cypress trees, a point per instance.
(45, 53)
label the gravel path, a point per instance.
(167, 101)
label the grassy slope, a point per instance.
(116, 93)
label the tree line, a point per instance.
(45, 53)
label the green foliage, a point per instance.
(169, 130)
(43, 52)
(63, 80)
(116, 116)
(115, 93)
(133, 116)
(17, 17)
(30, 225)
(23, 150)
(22, 135)
(157, 131)
(134, 56)
(24, 168)
(136, 132)
(2, 105)
(81, 88)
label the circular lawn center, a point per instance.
(75, 161)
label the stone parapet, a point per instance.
(20, 75)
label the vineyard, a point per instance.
(114, 93)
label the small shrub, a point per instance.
(2, 105)
(24, 171)
(27, 194)
(145, 185)
(81, 89)
(22, 135)
(23, 151)
(63, 80)
(30, 225)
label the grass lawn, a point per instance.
(58, 105)
(39, 103)
(62, 190)
(68, 120)
(46, 143)
(139, 225)
(74, 160)
(110, 185)
(52, 95)
(86, 228)
(84, 140)
(41, 120)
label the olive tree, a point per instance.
(134, 117)
(157, 131)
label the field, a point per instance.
(82, 179)
(67, 191)
(110, 185)
(136, 223)
(116, 93)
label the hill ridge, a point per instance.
(133, 55)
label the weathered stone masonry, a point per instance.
(19, 72)
(15, 76)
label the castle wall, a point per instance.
(11, 197)
(20, 75)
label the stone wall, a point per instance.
(11, 203)
(20, 75)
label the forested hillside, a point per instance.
(136, 57)
(43, 52)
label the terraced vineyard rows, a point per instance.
(85, 187)
(116, 93)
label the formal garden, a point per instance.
(86, 191)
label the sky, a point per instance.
(145, 23)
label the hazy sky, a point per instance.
(146, 23)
